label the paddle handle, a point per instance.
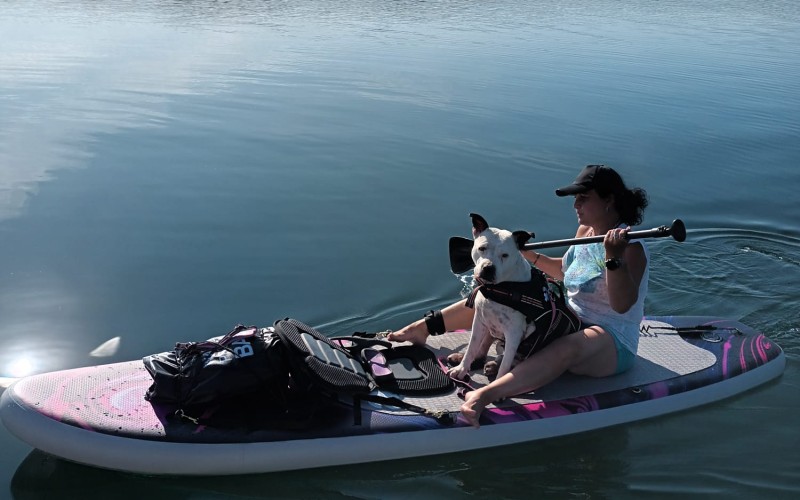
(677, 230)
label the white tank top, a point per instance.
(587, 293)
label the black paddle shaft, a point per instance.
(461, 248)
(677, 230)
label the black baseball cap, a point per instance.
(598, 177)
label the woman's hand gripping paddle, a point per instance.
(461, 248)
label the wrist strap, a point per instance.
(434, 321)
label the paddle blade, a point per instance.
(678, 230)
(460, 254)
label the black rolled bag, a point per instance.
(247, 360)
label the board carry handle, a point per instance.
(461, 248)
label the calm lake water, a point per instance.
(169, 169)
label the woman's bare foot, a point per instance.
(472, 408)
(416, 333)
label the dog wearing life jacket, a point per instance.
(513, 301)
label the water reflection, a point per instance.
(21, 367)
(64, 85)
(593, 464)
(41, 327)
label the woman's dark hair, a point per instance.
(629, 203)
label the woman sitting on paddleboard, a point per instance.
(606, 286)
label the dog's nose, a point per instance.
(487, 273)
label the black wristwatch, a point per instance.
(613, 263)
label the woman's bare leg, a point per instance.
(456, 316)
(589, 352)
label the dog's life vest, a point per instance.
(541, 300)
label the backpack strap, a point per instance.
(443, 417)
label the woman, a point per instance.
(606, 286)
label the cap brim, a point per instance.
(572, 189)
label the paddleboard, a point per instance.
(98, 415)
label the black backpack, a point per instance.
(247, 360)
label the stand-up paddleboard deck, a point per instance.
(98, 415)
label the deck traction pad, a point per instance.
(662, 355)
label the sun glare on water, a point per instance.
(20, 367)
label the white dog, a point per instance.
(497, 257)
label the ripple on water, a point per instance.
(743, 274)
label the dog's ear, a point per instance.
(479, 225)
(522, 237)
